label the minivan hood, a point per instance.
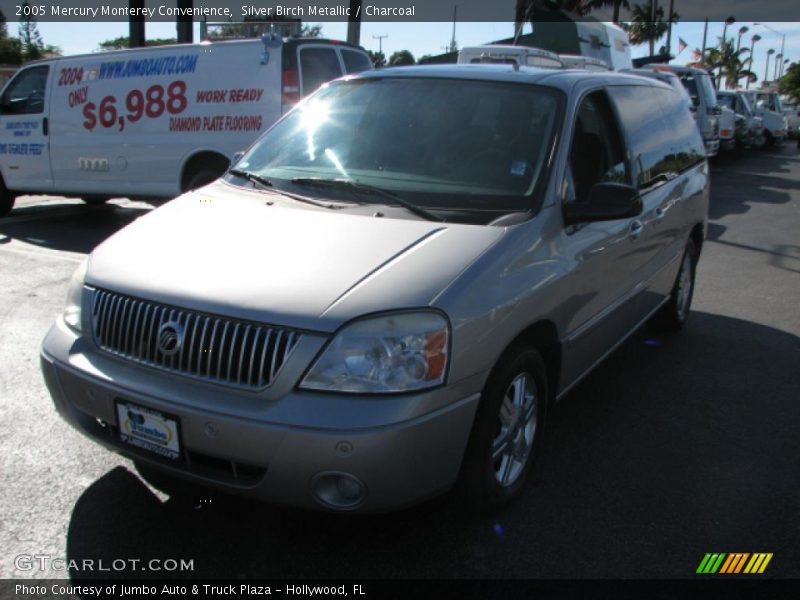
(228, 252)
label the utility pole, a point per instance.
(354, 23)
(136, 24)
(783, 38)
(770, 52)
(380, 39)
(669, 28)
(453, 45)
(185, 24)
(653, 10)
(703, 49)
(753, 40)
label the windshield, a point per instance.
(746, 103)
(727, 101)
(443, 144)
(692, 81)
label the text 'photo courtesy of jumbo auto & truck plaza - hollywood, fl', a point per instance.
(399, 299)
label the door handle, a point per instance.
(635, 229)
(45, 127)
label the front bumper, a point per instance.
(400, 456)
(712, 147)
(727, 144)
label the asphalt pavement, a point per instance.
(674, 447)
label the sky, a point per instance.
(432, 38)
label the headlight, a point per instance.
(392, 353)
(72, 313)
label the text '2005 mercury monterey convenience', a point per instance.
(383, 297)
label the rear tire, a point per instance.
(507, 431)
(7, 200)
(674, 314)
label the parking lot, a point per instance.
(676, 446)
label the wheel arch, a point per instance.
(697, 237)
(543, 336)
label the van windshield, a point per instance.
(447, 145)
(700, 88)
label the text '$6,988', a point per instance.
(151, 103)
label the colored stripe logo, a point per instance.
(734, 563)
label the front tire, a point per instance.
(673, 315)
(95, 201)
(507, 431)
(202, 178)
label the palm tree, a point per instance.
(617, 4)
(401, 57)
(644, 28)
(729, 62)
(523, 9)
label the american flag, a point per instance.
(681, 45)
(696, 55)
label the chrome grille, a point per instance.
(214, 348)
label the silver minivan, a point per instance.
(385, 295)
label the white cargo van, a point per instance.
(510, 55)
(152, 122)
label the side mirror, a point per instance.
(237, 156)
(608, 201)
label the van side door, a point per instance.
(660, 135)
(24, 131)
(606, 256)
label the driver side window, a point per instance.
(596, 154)
(25, 94)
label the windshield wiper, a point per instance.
(364, 187)
(266, 184)
(253, 177)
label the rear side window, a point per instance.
(318, 66)
(662, 136)
(355, 62)
(25, 94)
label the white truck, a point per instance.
(152, 122)
(768, 106)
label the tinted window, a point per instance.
(685, 144)
(25, 94)
(355, 62)
(317, 66)
(661, 133)
(596, 153)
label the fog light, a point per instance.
(338, 490)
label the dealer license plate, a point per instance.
(148, 429)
